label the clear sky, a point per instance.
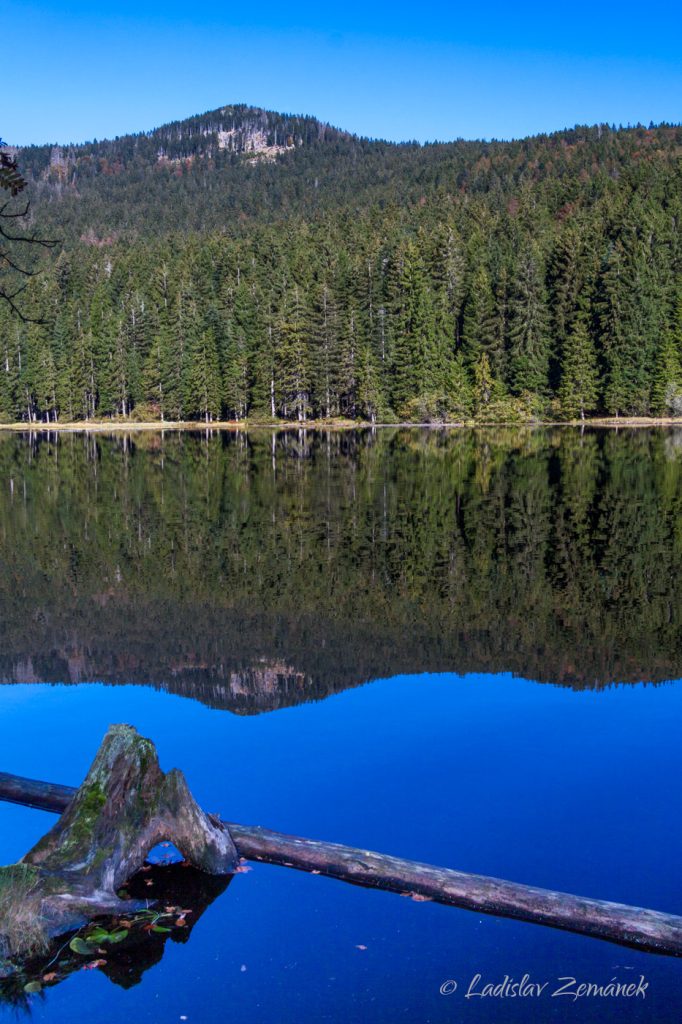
(424, 70)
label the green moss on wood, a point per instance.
(92, 800)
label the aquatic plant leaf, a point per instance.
(79, 945)
(33, 986)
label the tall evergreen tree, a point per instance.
(202, 397)
(415, 364)
(291, 328)
(529, 327)
(480, 330)
(578, 391)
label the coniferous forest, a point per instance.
(244, 264)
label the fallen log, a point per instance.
(44, 796)
(648, 930)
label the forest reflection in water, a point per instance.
(253, 571)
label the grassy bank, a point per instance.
(21, 927)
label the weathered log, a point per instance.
(649, 930)
(44, 796)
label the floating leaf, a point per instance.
(159, 928)
(80, 946)
(33, 986)
(99, 934)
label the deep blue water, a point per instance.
(572, 790)
(238, 589)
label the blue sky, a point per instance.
(391, 70)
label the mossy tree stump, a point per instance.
(125, 806)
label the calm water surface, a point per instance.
(511, 604)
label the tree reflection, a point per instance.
(254, 571)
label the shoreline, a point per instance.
(240, 426)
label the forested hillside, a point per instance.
(247, 264)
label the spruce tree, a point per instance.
(235, 381)
(460, 390)
(202, 397)
(484, 383)
(326, 353)
(578, 391)
(667, 383)
(479, 331)
(370, 398)
(620, 329)
(529, 327)
(292, 366)
(416, 368)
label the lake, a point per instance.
(461, 647)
